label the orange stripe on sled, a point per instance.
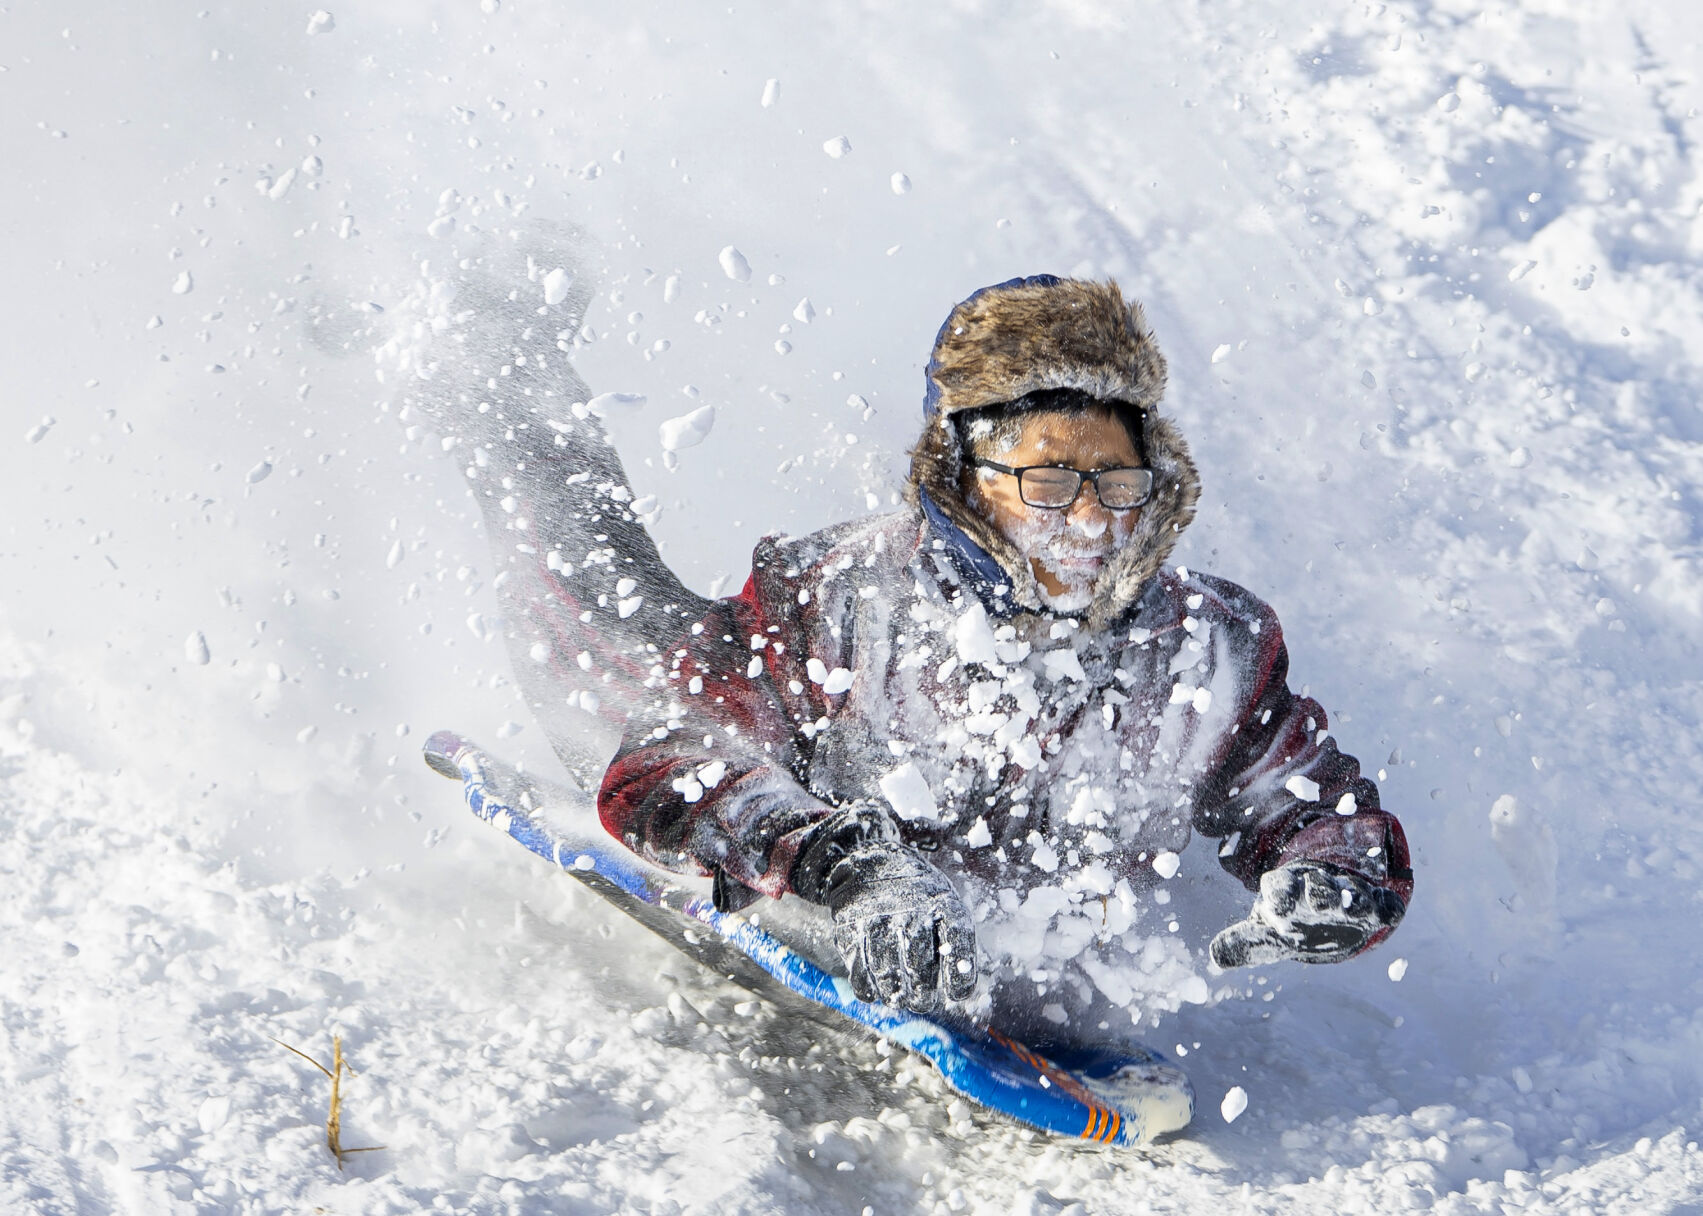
(1103, 1124)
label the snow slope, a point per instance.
(1428, 275)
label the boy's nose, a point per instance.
(1087, 506)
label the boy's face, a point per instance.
(1066, 548)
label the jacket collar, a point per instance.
(975, 566)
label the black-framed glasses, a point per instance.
(1054, 487)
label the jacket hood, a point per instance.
(1044, 332)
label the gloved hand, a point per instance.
(1309, 911)
(905, 935)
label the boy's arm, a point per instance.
(716, 787)
(1301, 826)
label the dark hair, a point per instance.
(1062, 400)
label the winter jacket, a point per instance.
(906, 660)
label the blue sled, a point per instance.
(1125, 1096)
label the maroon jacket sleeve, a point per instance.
(717, 788)
(1284, 793)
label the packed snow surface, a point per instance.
(1428, 278)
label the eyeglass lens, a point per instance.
(1119, 489)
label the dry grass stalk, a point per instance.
(334, 1119)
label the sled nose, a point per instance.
(1172, 1108)
(1153, 1095)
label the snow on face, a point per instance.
(1066, 549)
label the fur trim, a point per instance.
(1007, 341)
(1044, 332)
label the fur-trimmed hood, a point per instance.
(1045, 332)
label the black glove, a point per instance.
(903, 932)
(1311, 912)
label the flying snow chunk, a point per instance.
(259, 473)
(1063, 664)
(599, 405)
(837, 147)
(1398, 969)
(901, 184)
(972, 636)
(1221, 353)
(321, 22)
(1235, 1102)
(39, 431)
(1166, 864)
(734, 265)
(908, 794)
(183, 284)
(195, 649)
(1304, 788)
(688, 430)
(556, 285)
(838, 681)
(281, 187)
(804, 312)
(771, 92)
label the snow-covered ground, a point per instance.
(1428, 275)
